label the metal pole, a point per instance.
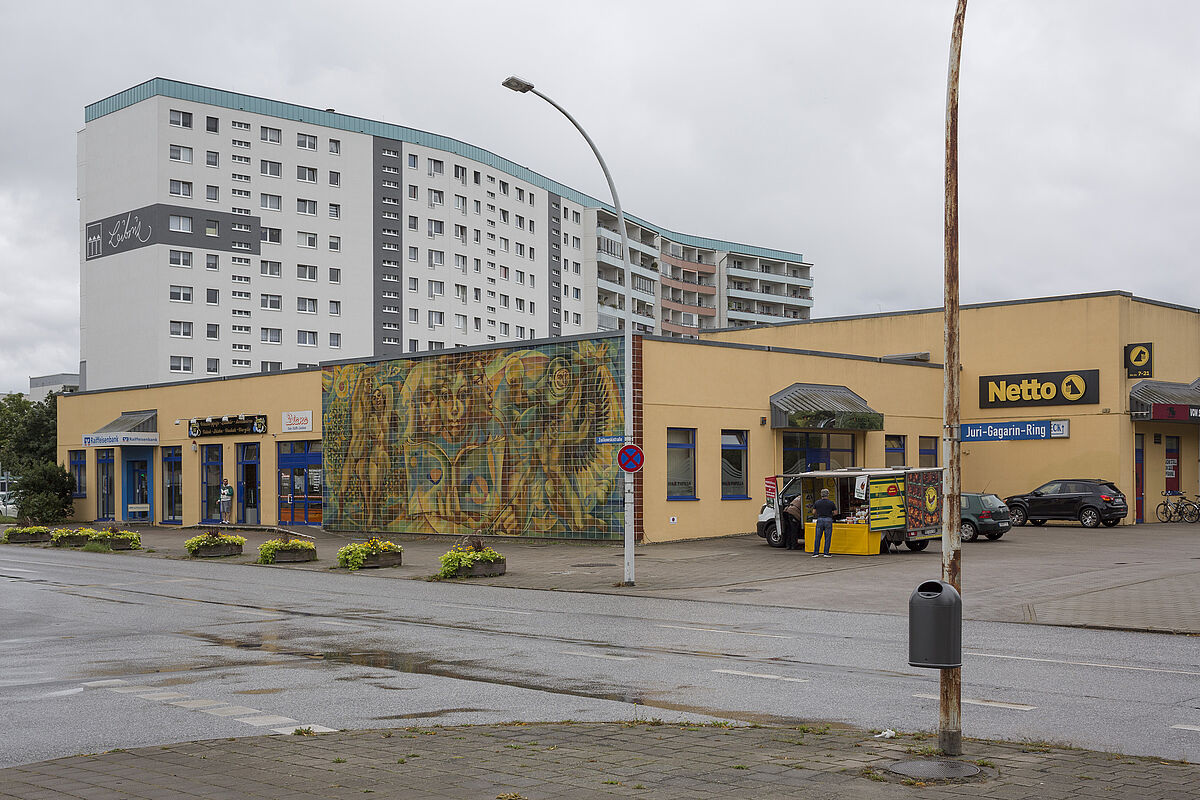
(950, 702)
(627, 338)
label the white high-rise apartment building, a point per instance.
(224, 234)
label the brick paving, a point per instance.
(584, 760)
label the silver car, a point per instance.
(8, 504)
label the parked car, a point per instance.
(766, 523)
(1092, 501)
(8, 504)
(983, 513)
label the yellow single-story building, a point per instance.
(521, 439)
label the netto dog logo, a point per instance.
(1077, 387)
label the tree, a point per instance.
(28, 432)
(44, 493)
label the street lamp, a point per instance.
(524, 86)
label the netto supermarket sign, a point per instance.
(1074, 388)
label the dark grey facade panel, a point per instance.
(554, 260)
(378, 254)
(150, 225)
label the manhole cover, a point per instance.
(593, 565)
(743, 590)
(935, 769)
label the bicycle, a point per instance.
(1182, 509)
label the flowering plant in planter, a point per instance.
(463, 557)
(267, 550)
(28, 534)
(212, 539)
(116, 538)
(354, 556)
(69, 537)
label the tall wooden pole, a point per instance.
(950, 703)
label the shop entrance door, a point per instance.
(106, 502)
(1171, 465)
(1139, 476)
(247, 480)
(300, 483)
(137, 491)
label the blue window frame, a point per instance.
(106, 500)
(681, 464)
(894, 451)
(734, 464)
(211, 472)
(172, 472)
(927, 451)
(79, 472)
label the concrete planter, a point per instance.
(218, 550)
(375, 560)
(294, 556)
(484, 569)
(75, 540)
(28, 538)
(118, 544)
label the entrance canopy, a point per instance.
(131, 428)
(819, 405)
(1166, 401)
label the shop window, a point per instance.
(106, 496)
(172, 472)
(78, 460)
(894, 451)
(734, 465)
(927, 452)
(210, 483)
(681, 464)
(803, 452)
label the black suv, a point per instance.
(1089, 500)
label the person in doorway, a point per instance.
(792, 523)
(824, 510)
(226, 500)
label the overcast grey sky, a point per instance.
(813, 126)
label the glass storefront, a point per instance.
(172, 472)
(805, 452)
(210, 483)
(106, 495)
(301, 483)
(247, 483)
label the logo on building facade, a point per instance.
(1139, 360)
(1078, 387)
(119, 233)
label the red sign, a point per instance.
(1175, 411)
(771, 489)
(630, 458)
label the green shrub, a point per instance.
(352, 556)
(194, 544)
(268, 549)
(44, 493)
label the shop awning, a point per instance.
(1166, 401)
(819, 405)
(131, 428)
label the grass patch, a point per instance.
(96, 547)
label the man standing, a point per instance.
(824, 510)
(226, 500)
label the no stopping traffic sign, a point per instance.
(630, 458)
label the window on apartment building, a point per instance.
(308, 207)
(335, 308)
(272, 169)
(212, 193)
(212, 296)
(894, 451)
(681, 464)
(270, 335)
(270, 135)
(436, 167)
(180, 119)
(437, 258)
(436, 319)
(335, 178)
(335, 243)
(306, 305)
(270, 269)
(180, 329)
(180, 294)
(335, 275)
(212, 261)
(306, 239)
(212, 331)
(436, 227)
(181, 364)
(335, 340)
(306, 141)
(213, 367)
(212, 159)
(181, 154)
(272, 302)
(306, 174)
(734, 465)
(335, 210)
(180, 224)
(179, 258)
(180, 188)
(306, 338)
(436, 197)
(306, 272)
(270, 366)
(437, 288)
(335, 146)
(927, 451)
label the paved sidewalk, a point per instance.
(585, 760)
(1129, 578)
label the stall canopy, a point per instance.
(1166, 401)
(818, 405)
(131, 428)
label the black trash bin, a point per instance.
(935, 626)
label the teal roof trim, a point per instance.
(331, 119)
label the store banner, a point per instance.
(228, 425)
(295, 421)
(1071, 388)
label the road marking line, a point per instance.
(991, 703)
(131, 689)
(14, 569)
(313, 728)
(99, 684)
(1186, 727)
(230, 711)
(486, 608)
(252, 613)
(163, 696)
(761, 675)
(1085, 664)
(718, 630)
(198, 704)
(335, 622)
(596, 655)
(264, 720)
(51, 564)
(64, 692)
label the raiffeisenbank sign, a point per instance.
(1073, 388)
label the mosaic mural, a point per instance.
(498, 442)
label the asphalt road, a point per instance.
(103, 651)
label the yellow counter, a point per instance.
(853, 539)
